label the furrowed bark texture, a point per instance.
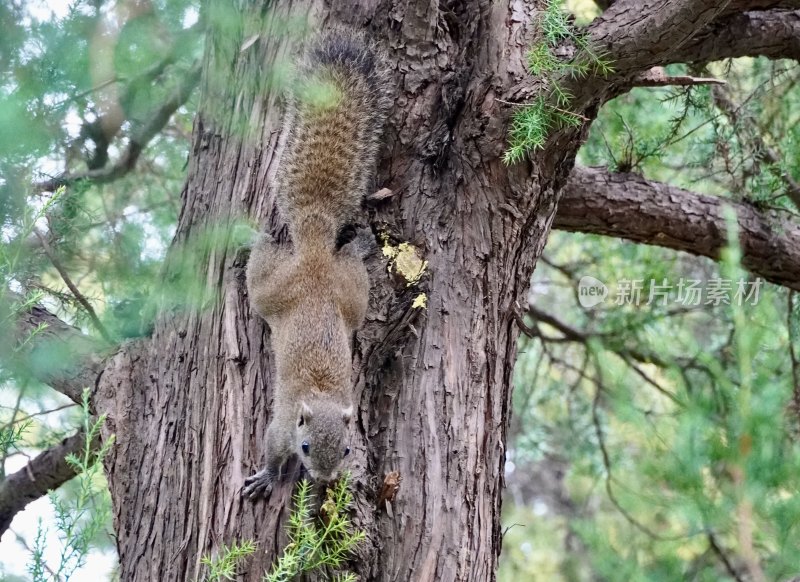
(190, 405)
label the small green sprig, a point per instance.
(533, 123)
(79, 520)
(318, 543)
(226, 564)
(555, 22)
(11, 434)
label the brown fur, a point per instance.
(312, 295)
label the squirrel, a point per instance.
(313, 293)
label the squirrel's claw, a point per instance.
(259, 485)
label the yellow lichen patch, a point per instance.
(388, 250)
(420, 301)
(409, 264)
(405, 259)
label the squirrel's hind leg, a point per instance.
(268, 268)
(353, 292)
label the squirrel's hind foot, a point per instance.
(360, 245)
(259, 485)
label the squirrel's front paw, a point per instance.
(259, 485)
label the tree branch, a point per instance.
(53, 352)
(106, 126)
(633, 36)
(769, 33)
(720, 553)
(49, 470)
(735, 5)
(137, 141)
(630, 207)
(79, 297)
(637, 35)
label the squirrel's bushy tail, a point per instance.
(337, 109)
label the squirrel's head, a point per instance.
(323, 438)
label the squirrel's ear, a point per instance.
(305, 410)
(347, 413)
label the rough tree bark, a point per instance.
(189, 406)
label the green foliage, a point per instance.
(717, 140)
(532, 124)
(227, 563)
(555, 23)
(670, 425)
(37, 567)
(316, 543)
(674, 427)
(541, 60)
(12, 255)
(642, 129)
(11, 436)
(173, 285)
(64, 73)
(668, 431)
(79, 81)
(81, 519)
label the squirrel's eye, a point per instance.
(346, 451)
(301, 421)
(305, 447)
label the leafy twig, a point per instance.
(72, 287)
